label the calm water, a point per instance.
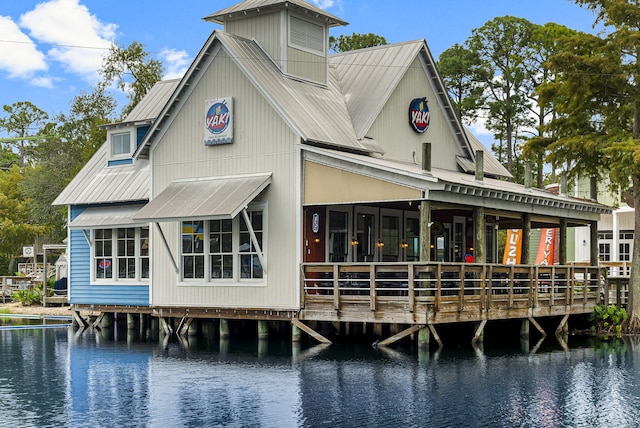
(54, 377)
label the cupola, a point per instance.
(294, 33)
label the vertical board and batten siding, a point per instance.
(307, 65)
(392, 129)
(263, 142)
(264, 27)
(81, 292)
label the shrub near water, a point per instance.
(608, 319)
(28, 297)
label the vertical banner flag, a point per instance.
(512, 249)
(546, 249)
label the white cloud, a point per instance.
(19, 56)
(176, 63)
(43, 82)
(80, 39)
(323, 4)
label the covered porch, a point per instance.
(400, 243)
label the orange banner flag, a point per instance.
(513, 247)
(546, 249)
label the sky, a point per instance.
(50, 50)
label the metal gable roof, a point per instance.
(98, 183)
(369, 76)
(255, 6)
(317, 113)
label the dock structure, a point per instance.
(411, 299)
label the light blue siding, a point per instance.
(81, 292)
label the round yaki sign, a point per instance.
(419, 115)
(218, 117)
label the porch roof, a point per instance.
(210, 198)
(461, 188)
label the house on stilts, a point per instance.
(277, 182)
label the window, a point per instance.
(120, 144)
(338, 235)
(625, 252)
(217, 250)
(604, 252)
(121, 254)
(306, 35)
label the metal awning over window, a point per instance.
(107, 217)
(204, 198)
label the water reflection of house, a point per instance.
(272, 162)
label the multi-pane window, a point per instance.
(121, 254)
(193, 249)
(103, 254)
(605, 241)
(223, 249)
(249, 261)
(120, 144)
(604, 251)
(625, 252)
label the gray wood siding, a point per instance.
(265, 28)
(392, 129)
(262, 143)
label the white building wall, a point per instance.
(262, 143)
(400, 141)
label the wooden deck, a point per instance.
(437, 293)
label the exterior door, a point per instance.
(365, 244)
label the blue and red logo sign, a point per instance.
(218, 118)
(419, 115)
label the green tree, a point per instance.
(355, 41)
(133, 70)
(502, 46)
(546, 40)
(16, 226)
(22, 120)
(597, 98)
(462, 72)
(58, 159)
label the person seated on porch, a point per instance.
(468, 258)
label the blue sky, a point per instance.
(50, 49)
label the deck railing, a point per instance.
(435, 288)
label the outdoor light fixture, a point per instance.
(404, 245)
(354, 241)
(380, 244)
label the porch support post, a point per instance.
(425, 231)
(593, 244)
(526, 237)
(224, 328)
(479, 239)
(263, 330)
(563, 242)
